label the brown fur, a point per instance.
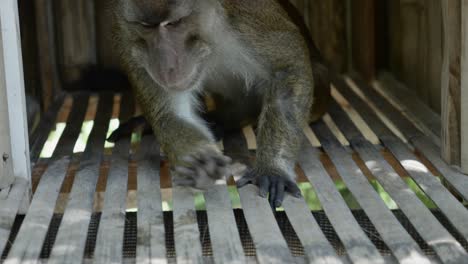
(262, 70)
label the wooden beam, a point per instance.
(464, 87)
(15, 94)
(363, 37)
(451, 97)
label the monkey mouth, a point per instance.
(187, 83)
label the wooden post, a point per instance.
(451, 89)
(6, 166)
(50, 81)
(14, 88)
(363, 37)
(76, 37)
(464, 87)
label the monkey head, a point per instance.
(168, 39)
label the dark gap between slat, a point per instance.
(130, 233)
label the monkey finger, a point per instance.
(293, 189)
(263, 185)
(280, 190)
(272, 197)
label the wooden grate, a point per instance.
(79, 208)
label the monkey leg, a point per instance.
(284, 113)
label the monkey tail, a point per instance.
(322, 92)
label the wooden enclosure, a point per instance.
(395, 139)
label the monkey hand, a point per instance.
(202, 168)
(270, 182)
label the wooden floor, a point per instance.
(367, 135)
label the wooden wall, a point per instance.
(326, 21)
(415, 45)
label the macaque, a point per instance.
(250, 56)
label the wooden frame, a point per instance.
(464, 88)
(13, 88)
(454, 84)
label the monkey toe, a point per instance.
(271, 185)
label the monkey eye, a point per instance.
(174, 23)
(146, 24)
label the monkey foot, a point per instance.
(201, 169)
(270, 183)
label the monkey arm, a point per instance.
(285, 112)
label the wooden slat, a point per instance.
(411, 105)
(316, 246)
(109, 241)
(269, 242)
(71, 238)
(451, 90)
(151, 246)
(464, 88)
(40, 136)
(425, 180)
(28, 243)
(416, 137)
(186, 233)
(423, 220)
(358, 246)
(9, 208)
(225, 238)
(393, 234)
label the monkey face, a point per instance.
(168, 40)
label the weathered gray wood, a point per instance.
(15, 92)
(70, 242)
(395, 236)
(269, 242)
(454, 210)
(423, 220)
(9, 208)
(28, 243)
(426, 181)
(316, 246)
(7, 176)
(417, 138)
(109, 240)
(186, 233)
(411, 105)
(225, 238)
(451, 80)
(151, 246)
(464, 87)
(358, 246)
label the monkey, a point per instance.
(248, 54)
